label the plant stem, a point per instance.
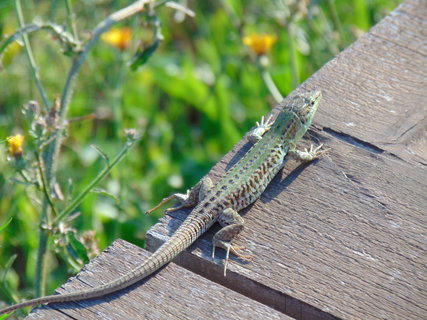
(271, 85)
(77, 200)
(294, 66)
(40, 274)
(117, 95)
(71, 17)
(41, 254)
(337, 23)
(45, 186)
(29, 53)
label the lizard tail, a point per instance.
(186, 234)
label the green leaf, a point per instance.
(7, 267)
(76, 249)
(4, 285)
(141, 57)
(18, 181)
(105, 193)
(5, 225)
(101, 153)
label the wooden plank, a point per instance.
(173, 293)
(345, 236)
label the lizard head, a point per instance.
(297, 115)
(305, 106)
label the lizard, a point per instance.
(240, 186)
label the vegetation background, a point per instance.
(198, 89)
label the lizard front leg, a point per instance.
(232, 224)
(307, 155)
(261, 128)
(191, 198)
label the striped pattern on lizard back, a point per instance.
(250, 176)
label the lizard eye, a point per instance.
(309, 102)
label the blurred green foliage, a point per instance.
(198, 93)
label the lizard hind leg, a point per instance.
(232, 224)
(190, 199)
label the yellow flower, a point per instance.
(118, 37)
(260, 43)
(15, 145)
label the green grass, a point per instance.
(198, 93)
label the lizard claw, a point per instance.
(315, 153)
(265, 124)
(318, 151)
(236, 250)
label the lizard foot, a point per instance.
(189, 199)
(261, 128)
(317, 152)
(236, 250)
(308, 155)
(265, 124)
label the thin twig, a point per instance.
(45, 188)
(25, 177)
(29, 52)
(71, 17)
(41, 250)
(337, 23)
(77, 200)
(292, 51)
(181, 8)
(271, 85)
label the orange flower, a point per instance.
(260, 43)
(15, 145)
(118, 37)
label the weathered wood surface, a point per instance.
(173, 293)
(344, 237)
